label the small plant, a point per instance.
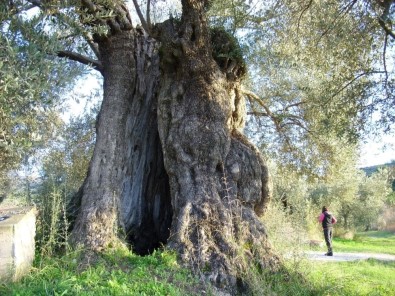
(52, 224)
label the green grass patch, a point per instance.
(358, 278)
(367, 242)
(120, 272)
(117, 273)
(369, 277)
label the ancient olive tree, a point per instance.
(170, 164)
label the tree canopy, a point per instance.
(33, 81)
(321, 72)
(317, 70)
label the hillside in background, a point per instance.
(372, 169)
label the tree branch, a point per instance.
(280, 120)
(257, 99)
(386, 28)
(251, 96)
(92, 45)
(256, 113)
(293, 105)
(384, 58)
(342, 13)
(386, 4)
(141, 17)
(303, 11)
(355, 79)
(296, 120)
(89, 5)
(97, 65)
(36, 3)
(148, 17)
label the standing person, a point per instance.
(327, 219)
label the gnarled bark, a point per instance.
(218, 180)
(203, 195)
(126, 194)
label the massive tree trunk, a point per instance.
(203, 194)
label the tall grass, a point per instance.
(118, 272)
(52, 224)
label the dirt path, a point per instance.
(319, 256)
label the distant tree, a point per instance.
(371, 200)
(339, 189)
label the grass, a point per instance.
(117, 273)
(367, 242)
(120, 272)
(369, 277)
(359, 278)
(365, 277)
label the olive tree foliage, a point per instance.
(303, 196)
(357, 200)
(372, 196)
(391, 180)
(64, 168)
(321, 74)
(32, 81)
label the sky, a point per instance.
(377, 151)
(83, 97)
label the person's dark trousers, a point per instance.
(328, 232)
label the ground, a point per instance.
(337, 257)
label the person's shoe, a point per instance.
(329, 254)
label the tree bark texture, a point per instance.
(203, 194)
(218, 180)
(126, 194)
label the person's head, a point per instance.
(324, 209)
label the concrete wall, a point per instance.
(16, 242)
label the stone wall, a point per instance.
(17, 231)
